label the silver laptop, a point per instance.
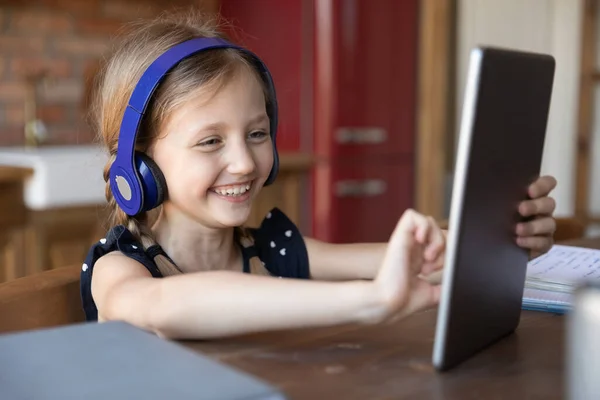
(501, 142)
(115, 361)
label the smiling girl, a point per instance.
(185, 266)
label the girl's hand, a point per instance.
(537, 235)
(416, 249)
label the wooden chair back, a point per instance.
(42, 300)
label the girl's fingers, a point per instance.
(423, 228)
(436, 245)
(430, 267)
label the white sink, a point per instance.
(63, 176)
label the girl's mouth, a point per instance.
(236, 193)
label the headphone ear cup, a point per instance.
(274, 168)
(153, 181)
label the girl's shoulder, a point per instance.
(280, 246)
(118, 238)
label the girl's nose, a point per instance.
(240, 160)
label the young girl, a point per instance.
(209, 129)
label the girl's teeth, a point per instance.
(236, 191)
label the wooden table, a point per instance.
(394, 361)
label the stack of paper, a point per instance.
(553, 277)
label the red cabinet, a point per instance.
(364, 199)
(346, 78)
(365, 83)
(365, 101)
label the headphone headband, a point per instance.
(127, 187)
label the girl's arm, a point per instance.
(342, 262)
(224, 303)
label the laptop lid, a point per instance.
(115, 360)
(501, 143)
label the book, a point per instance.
(552, 278)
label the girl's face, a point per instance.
(216, 153)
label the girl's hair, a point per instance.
(143, 43)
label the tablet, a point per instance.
(503, 128)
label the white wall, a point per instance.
(549, 26)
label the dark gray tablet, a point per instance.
(114, 360)
(501, 142)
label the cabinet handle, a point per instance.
(364, 188)
(367, 135)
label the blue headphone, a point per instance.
(136, 182)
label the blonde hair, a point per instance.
(143, 43)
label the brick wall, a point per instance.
(66, 38)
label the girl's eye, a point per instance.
(257, 135)
(209, 142)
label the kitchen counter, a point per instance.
(62, 176)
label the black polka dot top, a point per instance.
(277, 243)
